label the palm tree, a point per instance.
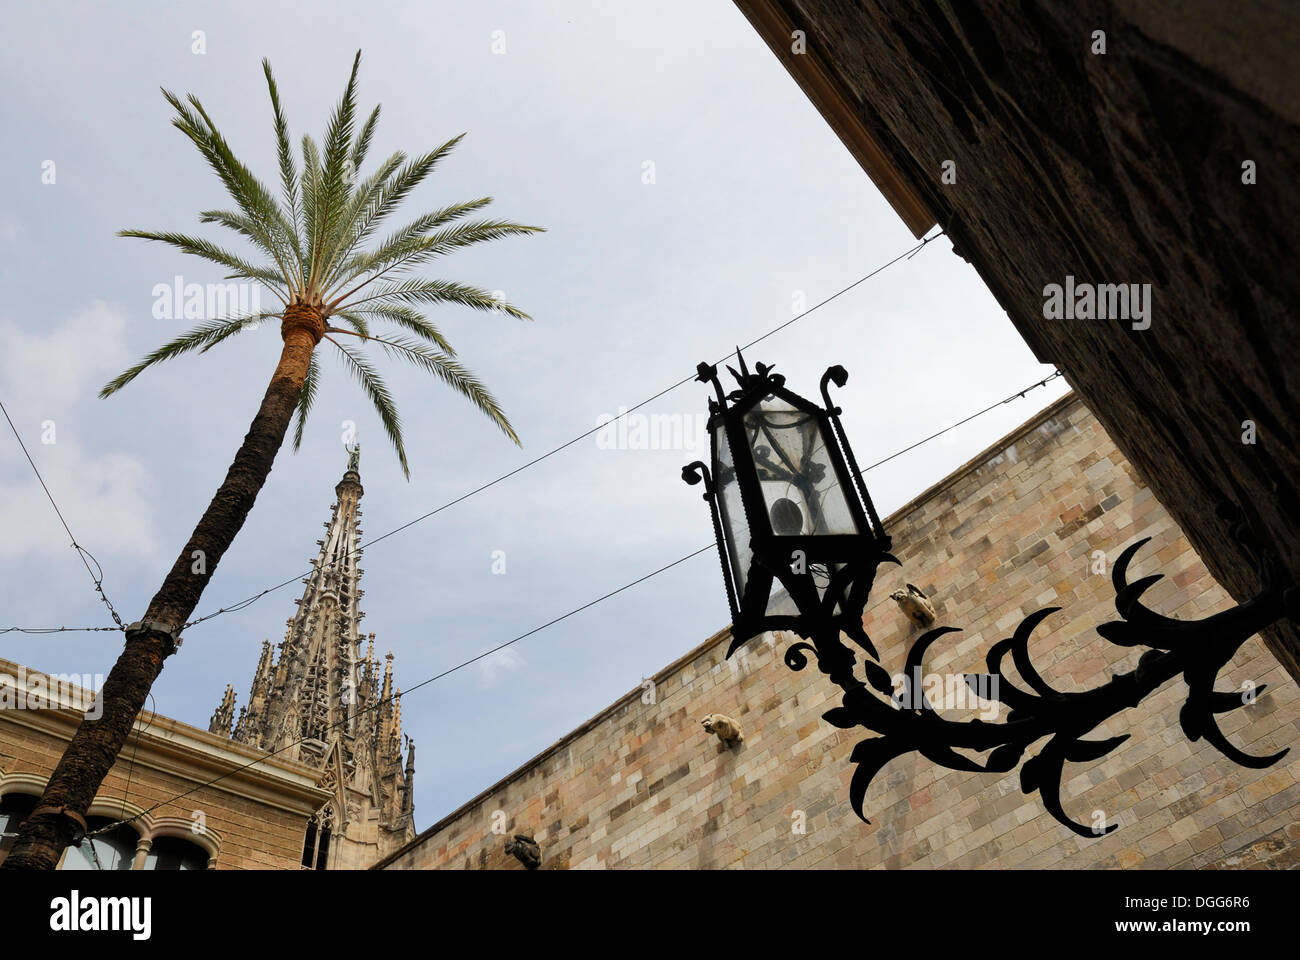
(330, 285)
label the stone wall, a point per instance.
(253, 818)
(1023, 526)
(1117, 167)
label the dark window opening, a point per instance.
(322, 857)
(309, 845)
(173, 853)
(14, 809)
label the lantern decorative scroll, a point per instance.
(800, 544)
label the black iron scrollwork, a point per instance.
(1195, 649)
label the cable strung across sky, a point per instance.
(934, 436)
(81, 551)
(623, 412)
(248, 601)
(98, 581)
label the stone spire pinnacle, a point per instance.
(408, 795)
(317, 702)
(223, 715)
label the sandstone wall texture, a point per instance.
(1118, 167)
(1023, 526)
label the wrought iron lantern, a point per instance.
(794, 522)
(800, 544)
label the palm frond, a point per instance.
(408, 318)
(249, 194)
(355, 320)
(201, 338)
(333, 190)
(362, 263)
(437, 291)
(305, 400)
(241, 223)
(451, 373)
(198, 247)
(407, 252)
(377, 391)
(356, 224)
(288, 169)
(402, 183)
(362, 146)
(311, 177)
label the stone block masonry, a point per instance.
(252, 818)
(1036, 520)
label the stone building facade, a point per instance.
(252, 817)
(1033, 521)
(310, 773)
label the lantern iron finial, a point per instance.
(838, 376)
(740, 359)
(708, 373)
(745, 380)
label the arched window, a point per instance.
(109, 851)
(309, 845)
(173, 853)
(316, 844)
(323, 851)
(14, 809)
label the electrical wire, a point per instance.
(98, 579)
(423, 683)
(81, 551)
(910, 252)
(993, 406)
(934, 436)
(58, 629)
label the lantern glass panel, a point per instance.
(735, 526)
(801, 489)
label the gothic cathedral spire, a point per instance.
(317, 703)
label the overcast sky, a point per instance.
(754, 205)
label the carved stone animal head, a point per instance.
(723, 727)
(525, 850)
(916, 606)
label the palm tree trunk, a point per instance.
(95, 746)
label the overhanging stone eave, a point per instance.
(822, 87)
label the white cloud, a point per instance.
(503, 661)
(103, 498)
(54, 370)
(49, 381)
(11, 231)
